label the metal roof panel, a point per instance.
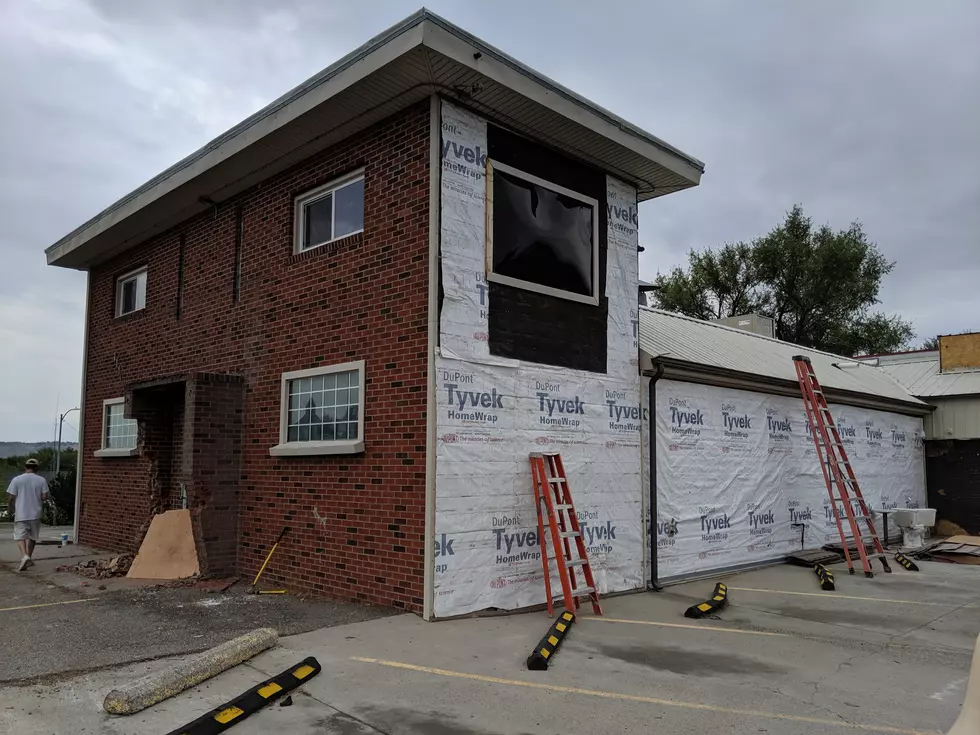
(683, 339)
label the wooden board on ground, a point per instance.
(168, 550)
(809, 557)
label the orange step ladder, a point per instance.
(838, 473)
(553, 500)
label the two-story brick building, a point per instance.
(355, 314)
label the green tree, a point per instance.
(817, 284)
(62, 488)
(715, 284)
(932, 343)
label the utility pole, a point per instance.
(57, 452)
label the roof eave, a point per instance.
(725, 378)
(452, 41)
(200, 173)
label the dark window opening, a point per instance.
(542, 235)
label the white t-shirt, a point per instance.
(28, 489)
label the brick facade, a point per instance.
(357, 521)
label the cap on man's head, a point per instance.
(31, 462)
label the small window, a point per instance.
(131, 292)
(322, 411)
(541, 236)
(330, 212)
(118, 432)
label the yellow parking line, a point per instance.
(762, 714)
(691, 627)
(847, 597)
(44, 604)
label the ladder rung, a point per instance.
(575, 562)
(563, 506)
(568, 534)
(559, 480)
(583, 591)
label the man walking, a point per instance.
(27, 492)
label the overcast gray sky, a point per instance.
(858, 110)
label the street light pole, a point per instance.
(57, 453)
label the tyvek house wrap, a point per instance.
(492, 412)
(736, 470)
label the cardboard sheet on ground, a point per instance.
(168, 550)
(958, 549)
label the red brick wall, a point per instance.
(365, 299)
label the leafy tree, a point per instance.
(45, 457)
(817, 284)
(715, 285)
(62, 488)
(932, 343)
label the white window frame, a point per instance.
(132, 275)
(299, 211)
(287, 448)
(529, 285)
(104, 451)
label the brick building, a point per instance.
(306, 323)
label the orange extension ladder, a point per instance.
(552, 492)
(838, 473)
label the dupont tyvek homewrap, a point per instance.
(492, 412)
(738, 481)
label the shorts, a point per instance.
(27, 530)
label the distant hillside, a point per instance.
(17, 449)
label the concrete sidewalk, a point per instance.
(887, 655)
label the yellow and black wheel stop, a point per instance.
(231, 713)
(718, 600)
(825, 576)
(542, 654)
(906, 562)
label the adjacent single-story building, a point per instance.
(947, 378)
(737, 481)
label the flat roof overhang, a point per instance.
(421, 56)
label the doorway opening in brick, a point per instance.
(160, 410)
(190, 433)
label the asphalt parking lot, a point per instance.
(58, 623)
(886, 655)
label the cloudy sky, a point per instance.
(858, 110)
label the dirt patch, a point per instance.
(688, 662)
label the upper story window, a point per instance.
(329, 212)
(131, 292)
(541, 236)
(322, 411)
(118, 432)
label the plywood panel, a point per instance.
(168, 550)
(959, 351)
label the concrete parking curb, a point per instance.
(156, 687)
